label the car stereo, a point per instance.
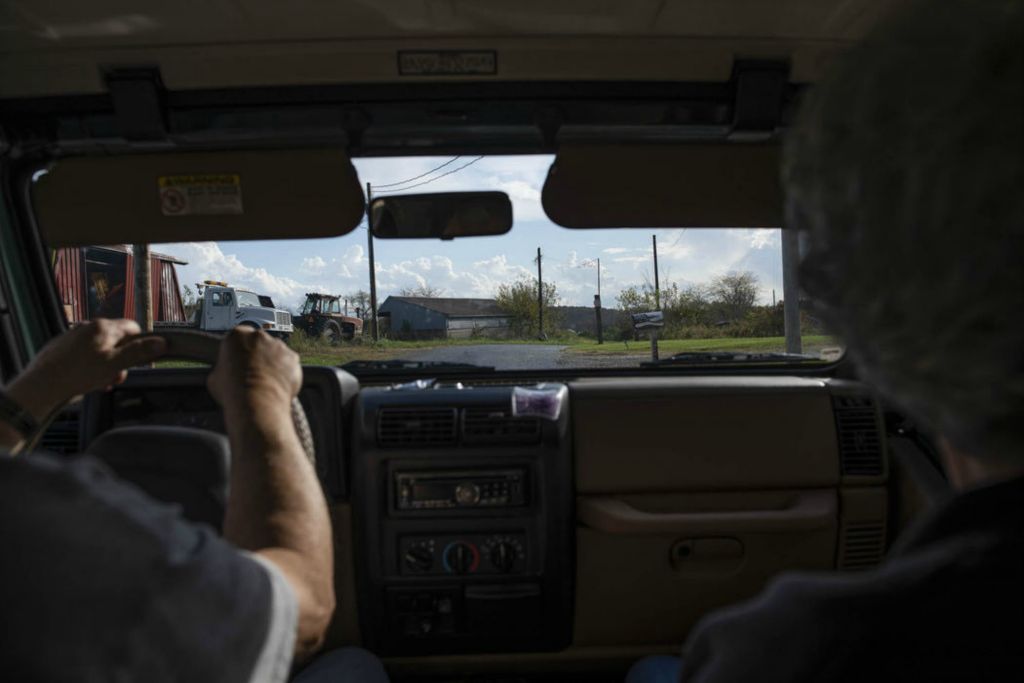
(460, 489)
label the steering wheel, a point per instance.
(203, 348)
(200, 347)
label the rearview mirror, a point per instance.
(441, 216)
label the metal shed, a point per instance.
(99, 282)
(425, 318)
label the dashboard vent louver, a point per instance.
(416, 427)
(62, 436)
(497, 425)
(861, 546)
(860, 439)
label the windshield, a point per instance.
(477, 300)
(248, 299)
(310, 306)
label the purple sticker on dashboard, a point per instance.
(543, 401)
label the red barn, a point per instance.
(98, 282)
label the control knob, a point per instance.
(467, 493)
(419, 558)
(461, 558)
(504, 556)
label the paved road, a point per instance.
(500, 356)
(524, 357)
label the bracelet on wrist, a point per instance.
(14, 415)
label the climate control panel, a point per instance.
(462, 555)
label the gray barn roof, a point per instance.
(455, 308)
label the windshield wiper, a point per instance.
(698, 357)
(395, 365)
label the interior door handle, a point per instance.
(805, 511)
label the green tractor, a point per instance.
(322, 317)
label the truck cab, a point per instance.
(224, 307)
(321, 316)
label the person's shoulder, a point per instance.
(35, 475)
(825, 626)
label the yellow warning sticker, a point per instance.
(205, 194)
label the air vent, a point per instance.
(62, 435)
(861, 545)
(497, 426)
(860, 439)
(416, 427)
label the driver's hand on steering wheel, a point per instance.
(93, 355)
(255, 374)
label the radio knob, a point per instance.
(419, 559)
(461, 558)
(504, 556)
(467, 494)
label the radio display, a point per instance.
(432, 491)
(467, 489)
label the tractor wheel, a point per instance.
(348, 331)
(332, 333)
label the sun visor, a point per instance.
(198, 196)
(663, 186)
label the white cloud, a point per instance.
(636, 260)
(206, 261)
(314, 264)
(479, 279)
(763, 237)
(525, 197)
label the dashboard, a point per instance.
(491, 520)
(463, 504)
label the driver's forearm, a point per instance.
(37, 396)
(276, 508)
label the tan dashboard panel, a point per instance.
(635, 589)
(703, 434)
(344, 628)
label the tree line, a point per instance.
(724, 307)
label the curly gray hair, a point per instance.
(905, 170)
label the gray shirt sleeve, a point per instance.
(125, 589)
(275, 659)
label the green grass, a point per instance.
(811, 344)
(317, 352)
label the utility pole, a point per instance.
(540, 298)
(143, 286)
(373, 265)
(657, 299)
(657, 290)
(790, 290)
(597, 305)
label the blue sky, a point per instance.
(474, 267)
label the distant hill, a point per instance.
(582, 319)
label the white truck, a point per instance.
(222, 307)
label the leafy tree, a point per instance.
(642, 297)
(734, 294)
(425, 291)
(519, 301)
(189, 301)
(359, 299)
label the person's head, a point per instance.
(905, 173)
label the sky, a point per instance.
(476, 266)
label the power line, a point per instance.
(427, 182)
(422, 175)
